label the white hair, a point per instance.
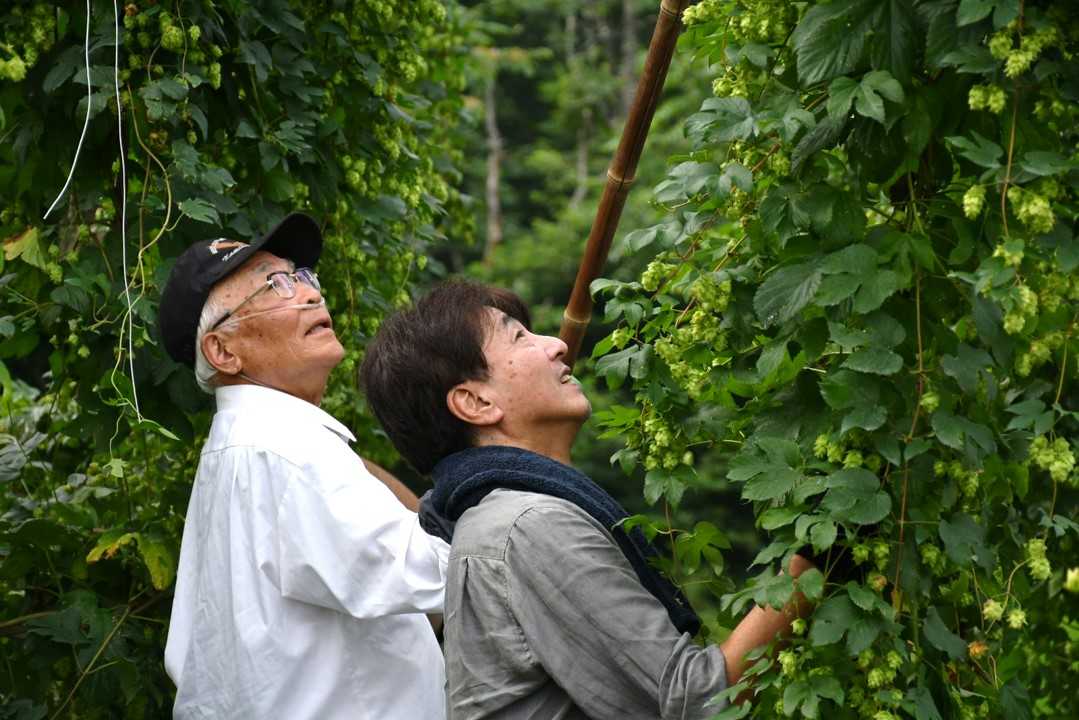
(205, 373)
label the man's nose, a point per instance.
(555, 347)
(307, 293)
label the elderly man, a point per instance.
(303, 581)
(551, 610)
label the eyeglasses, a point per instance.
(282, 282)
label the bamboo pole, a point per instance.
(620, 175)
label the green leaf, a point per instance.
(854, 496)
(868, 417)
(845, 389)
(948, 429)
(793, 696)
(825, 134)
(769, 553)
(919, 702)
(980, 151)
(869, 104)
(631, 362)
(875, 290)
(862, 633)
(967, 366)
(771, 485)
(733, 712)
(834, 289)
(882, 82)
(837, 38)
(885, 330)
(786, 292)
(971, 59)
(861, 596)
(971, 11)
(876, 360)
(778, 517)
(63, 626)
(1015, 700)
(940, 637)
(857, 259)
(832, 620)
(663, 483)
(771, 358)
(733, 119)
(840, 96)
(110, 543)
(964, 540)
(811, 583)
(823, 535)
(25, 246)
(200, 210)
(159, 560)
(1041, 163)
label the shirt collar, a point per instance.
(253, 398)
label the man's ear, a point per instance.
(471, 403)
(215, 347)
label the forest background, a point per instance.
(817, 252)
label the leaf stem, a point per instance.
(89, 667)
(1064, 362)
(1011, 141)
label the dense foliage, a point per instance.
(862, 307)
(233, 113)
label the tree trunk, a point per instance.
(494, 169)
(584, 129)
(629, 55)
(584, 138)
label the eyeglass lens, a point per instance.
(284, 285)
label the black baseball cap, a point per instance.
(204, 264)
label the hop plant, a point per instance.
(788, 661)
(932, 557)
(1032, 209)
(1071, 584)
(172, 37)
(1010, 252)
(974, 201)
(992, 611)
(820, 447)
(1056, 457)
(654, 275)
(1000, 44)
(860, 553)
(1017, 618)
(930, 402)
(995, 99)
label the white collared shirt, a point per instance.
(302, 580)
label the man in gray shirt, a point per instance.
(552, 610)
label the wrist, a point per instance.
(798, 565)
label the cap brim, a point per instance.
(296, 238)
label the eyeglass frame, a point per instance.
(294, 279)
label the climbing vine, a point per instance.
(861, 313)
(233, 114)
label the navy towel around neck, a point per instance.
(463, 479)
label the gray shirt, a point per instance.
(546, 620)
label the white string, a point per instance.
(123, 206)
(86, 124)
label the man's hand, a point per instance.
(402, 493)
(762, 625)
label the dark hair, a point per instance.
(419, 354)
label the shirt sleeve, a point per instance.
(348, 544)
(597, 632)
